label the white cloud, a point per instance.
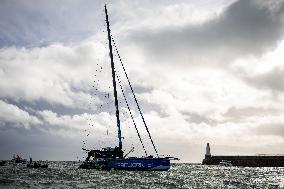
(57, 74)
(10, 113)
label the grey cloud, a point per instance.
(271, 129)
(39, 145)
(192, 117)
(244, 28)
(139, 88)
(39, 105)
(35, 23)
(19, 117)
(272, 80)
(239, 113)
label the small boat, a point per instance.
(113, 157)
(18, 159)
(36, 165)
(226, 163)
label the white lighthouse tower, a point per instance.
(208, 153)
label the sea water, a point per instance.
(65, 174)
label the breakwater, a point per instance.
(246, 161)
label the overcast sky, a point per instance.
(203, 71)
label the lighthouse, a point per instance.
(208, 153)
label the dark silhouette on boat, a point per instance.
(2, 163)
(18, 159)
(36, 165)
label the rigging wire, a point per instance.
(134, 96)
(120, 84)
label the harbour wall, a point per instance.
(246, 161)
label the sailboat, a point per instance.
(113, 157)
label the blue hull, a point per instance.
(140, 164)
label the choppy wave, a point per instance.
(66, 174)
